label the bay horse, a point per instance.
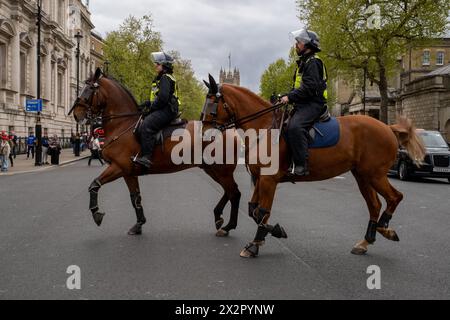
(106, 99)
(366, 147)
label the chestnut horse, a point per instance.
(367, 148)
(106, 99)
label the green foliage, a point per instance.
(278, 77)
(350, 43)
(129, 49)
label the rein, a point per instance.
(234, 122)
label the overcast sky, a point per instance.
(206, 31)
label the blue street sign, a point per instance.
(34, 105)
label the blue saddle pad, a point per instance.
(329, 134)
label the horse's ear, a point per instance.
(213, 85)
(98, 74)
(207, 84)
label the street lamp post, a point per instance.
(38, 128)
(364, 90)
(78, 36)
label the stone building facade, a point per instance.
(61, 19)
(426, 101)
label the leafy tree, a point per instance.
(354, 35)
(129, 49)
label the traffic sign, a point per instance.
(34, 105)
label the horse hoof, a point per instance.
(360, 248)
(250, 251)
(219, 223)
(394, 236)
(135, 231)
(222, 233)
(98, 218)
(359, 251)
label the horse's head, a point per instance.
(91, 102)
(216, 111)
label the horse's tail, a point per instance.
(407, 137)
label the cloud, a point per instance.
(206, 31)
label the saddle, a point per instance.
(324, 133)
(165, 133)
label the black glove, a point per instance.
(145, 108)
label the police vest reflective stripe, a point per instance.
(298, 77)
(155, 89)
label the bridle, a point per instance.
(211, 107)
(86, 100)
(94, 112)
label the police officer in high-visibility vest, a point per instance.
(309, 97)
(162, 107)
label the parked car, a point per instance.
(436, 162)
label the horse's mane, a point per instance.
(120, 85)
(250, 94)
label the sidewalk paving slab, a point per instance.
(24, 165)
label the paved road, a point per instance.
(45, 227)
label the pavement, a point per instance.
(46, 227)
(24, 165)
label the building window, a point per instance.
(3, 71)
(426, 58)
(440, 58)
(61, 89)
(23, 72)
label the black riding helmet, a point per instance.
(309, 38)
(163, 59)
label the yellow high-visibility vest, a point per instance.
(155, 89)
(298, 77)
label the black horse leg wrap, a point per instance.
(261, 233)
(251, 209)
(136, 200)
(384, 220)
(259, 215)
(371, 232)
(93, 190)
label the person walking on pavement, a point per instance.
(5, 150)
(45, 145)
(95, 150)
(31, 141)
(55, 149)
(13, 140)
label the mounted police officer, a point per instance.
(309, 97)
(162, 107)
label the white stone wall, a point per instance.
(18, 30)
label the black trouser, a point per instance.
(301, 122)
(152, 124)
(30, 149)
(95, 154)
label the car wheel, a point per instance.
(403, 171)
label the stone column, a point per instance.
(15, 66)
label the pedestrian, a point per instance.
(72, 142)
(95, 150)
(45, 145)
(31, 141)
(5, 150)
(13, 140)
(54, 149)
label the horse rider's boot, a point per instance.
(145, 161)
(298, 170)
